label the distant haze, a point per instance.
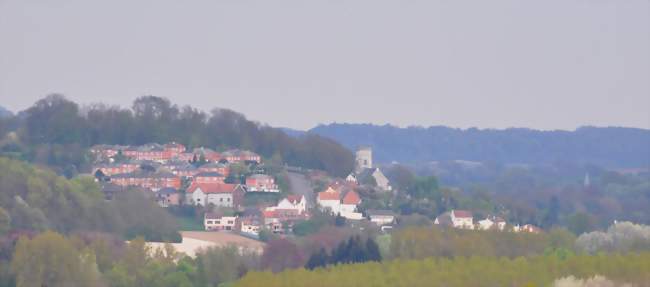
(552, 64)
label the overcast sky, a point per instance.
(547, 64)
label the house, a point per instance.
(351, 178)
(185, 171)
(261, 183)
(209, 177)
(492, 222)
(377, 176)
(167, 196)
(349, 202)
(381, 217)
(218, 222)
(207, 154)
(152, 152)
(174, 148)
(296, 202)
(116, 168)
(330, 200)
(236, 155)
(218, 194)
(249, 225)
(462, 219)
(272, 221)
(147, 179)
(527, 228)
(105, 151)
(215, 167)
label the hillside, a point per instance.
(56, 132)
(4, 112)
(612, 147)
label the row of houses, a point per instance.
(464, 219)
(285, 213)
(172, 151)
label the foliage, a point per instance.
(419, 243)
(37, 199)
(354, 250)
(218, 265)
(51, 260)
(280, 254)
(620, 237)
(610, 146)
(57, 132)
(462, 271)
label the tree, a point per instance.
(51, 260)
(318, 259)
(425, 187)
(280, 254)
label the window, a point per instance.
(209, 221)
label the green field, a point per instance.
(189, 223)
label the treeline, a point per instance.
(463, 271)
(420, 243)
(354, 250)
(35, 199)
(609, 147)
(58, 131)
(99, 260)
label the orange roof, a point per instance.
(268, 213)
(462, 213)
(329, 195)
(351, 198)
(294, 198)
(212, 187)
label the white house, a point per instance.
(527, 228)
(381, 217)
(296, 202)
(217, 222)
(249, 225)
(261, 183)
(330, 199)
(492, 222)
(218, 194)
(456, 218)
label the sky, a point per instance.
(552, 64)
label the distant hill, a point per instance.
(611, 147)
(5, 112)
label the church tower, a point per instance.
(363, 158)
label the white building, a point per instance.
(363, 158)
(216, 222)
(492, 222)
(295, 202)
(456, 218)
(218, 194)
(330, 200)
(381, 217)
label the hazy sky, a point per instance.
(549, 64)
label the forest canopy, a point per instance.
(58, 131)
(35, 199)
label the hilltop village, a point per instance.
(238, 191)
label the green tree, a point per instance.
(51, 260)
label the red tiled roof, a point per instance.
(212, 187)
(351, 198)
(329, 195)
(462, 213)
(294, 198)
(268, 214)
